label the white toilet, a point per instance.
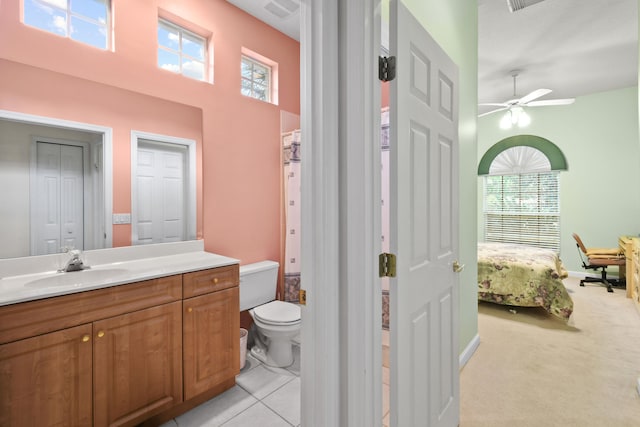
(277, 322)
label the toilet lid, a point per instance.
(278, 312)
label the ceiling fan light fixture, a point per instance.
(515, 116)
(524, 120)
(516, 112)
(505, 122)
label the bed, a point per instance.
(523, 276)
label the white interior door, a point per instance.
(161, 180)
(59, 201)
(424, 228)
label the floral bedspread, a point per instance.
(523, 276)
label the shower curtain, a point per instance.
(291, 156)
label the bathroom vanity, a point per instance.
(144, 341)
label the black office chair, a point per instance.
(600, 259)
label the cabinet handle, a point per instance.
(86, 338)
(189, 310)
(100, 334)
(215, 280)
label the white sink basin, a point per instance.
(78, 278)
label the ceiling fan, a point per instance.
(528, 100)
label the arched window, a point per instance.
(521, 191)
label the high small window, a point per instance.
(181, 51)
(523, 208)
(86, 21)
(256, 79)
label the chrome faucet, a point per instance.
(74, 263)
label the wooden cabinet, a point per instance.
(118, 356)
(137, 365)
(46, 380)
(211, 340)
(633, 275)
(631, 248)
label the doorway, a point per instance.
(341, 227)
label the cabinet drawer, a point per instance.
(38, 317)
(206, 281)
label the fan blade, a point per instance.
(496, 104)
(566, 101)
(493, 111)
(534, 95)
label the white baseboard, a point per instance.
(471, 348)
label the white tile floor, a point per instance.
(265, 396)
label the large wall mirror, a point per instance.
(82, 175)
(53, 176)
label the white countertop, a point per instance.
(116, 271)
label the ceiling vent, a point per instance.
(282, 8)
(516, 5)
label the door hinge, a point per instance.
(302, 297)
(386, 68)
(387, 265)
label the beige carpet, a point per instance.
(532, 369)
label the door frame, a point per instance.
(106, 133)
(190, 194)
(341, 350)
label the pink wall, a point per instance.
(384, 97)
(43, 74)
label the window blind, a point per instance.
(523, 209)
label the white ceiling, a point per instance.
(573, 47)
(284, 15)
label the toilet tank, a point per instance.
(258, 283)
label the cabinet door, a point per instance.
(137, 365)
(211, 340)
(46, 380)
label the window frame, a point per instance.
(539, 227)
(107, 26)
(182, 31)
(269, 78)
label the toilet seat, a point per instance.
(278, 313)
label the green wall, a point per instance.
(600, 192)
(454, 25)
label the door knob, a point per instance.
(457, 268)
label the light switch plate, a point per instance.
(122, 218)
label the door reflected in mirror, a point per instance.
(53, 183)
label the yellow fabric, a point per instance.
(592, 252)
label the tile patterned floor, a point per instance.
(265, 396)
